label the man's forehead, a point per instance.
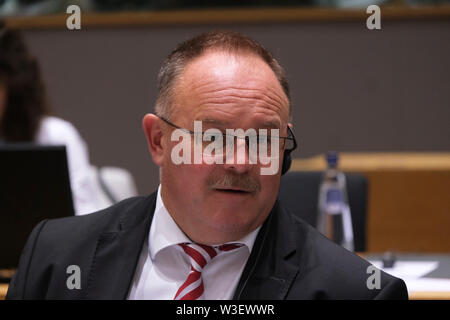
(223, 65)
(225, 123)
(220, 78)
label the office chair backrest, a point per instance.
(111, 185)
(117, 183)
(299, 191)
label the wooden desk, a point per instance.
(429, 295)
(441, 272)
(3, 290)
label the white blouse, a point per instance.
(56, 131)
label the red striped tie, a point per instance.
(199, 255)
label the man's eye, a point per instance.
(206, 136)
(263, 139)
(210, 137)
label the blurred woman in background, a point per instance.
(25, 115)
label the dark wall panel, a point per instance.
(353, 89)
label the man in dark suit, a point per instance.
(214, 229)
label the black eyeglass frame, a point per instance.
(225, 135)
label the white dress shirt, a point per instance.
(163, 266)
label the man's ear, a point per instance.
(290, 125)
(154, 133)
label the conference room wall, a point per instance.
(352, 89)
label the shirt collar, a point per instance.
(164, 232)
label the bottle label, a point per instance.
(334, 201)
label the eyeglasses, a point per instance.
(216, 143)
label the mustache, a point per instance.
(244, 182)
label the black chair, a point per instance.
(299, 192)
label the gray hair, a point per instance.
(233, 42)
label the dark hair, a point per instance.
(25, 91)
(187, 51)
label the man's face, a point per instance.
(223, 202)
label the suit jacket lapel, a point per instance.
(274, 262)
(118, 250)
(271, 268)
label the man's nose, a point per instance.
(239, 160)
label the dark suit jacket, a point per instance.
(289, 260)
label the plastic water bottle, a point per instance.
(334, 218)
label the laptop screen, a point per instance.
(34, 185)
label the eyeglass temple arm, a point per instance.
(293, 138)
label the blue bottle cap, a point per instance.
(332, 158)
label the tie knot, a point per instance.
(201, 254)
